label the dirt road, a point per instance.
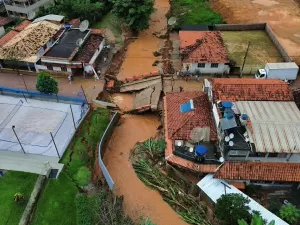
(282, 15)
(139, 57)
(139, 201)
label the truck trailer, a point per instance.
(286, 71)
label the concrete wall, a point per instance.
(21, 9)
(222, 68)
(97, 52)
(107, 134)
(239, 27)
(2, 31)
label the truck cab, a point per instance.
(261, 74)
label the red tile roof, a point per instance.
(202, 46)
(248, 89)
(7, 37)
(74, 22)
(98, 31)
(5, 20)
(202, 168)
(180, 124)
(89, 48)
(260, 171)
(22, 25)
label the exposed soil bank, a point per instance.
(139, 200)
(139, 56)
(282, 15)
(123, 100)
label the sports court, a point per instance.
(33, 121)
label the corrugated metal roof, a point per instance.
(50, 17)
(214, 188)
(285, 65)
(275, 125)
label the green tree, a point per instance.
(256, 220)
(83, 9)
(46, 83)
(290, 213)
(232, 207)
(134, 13)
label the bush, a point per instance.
(156, 53)
(19, 197)
(290, 213)
(46, 83)
(83, 176)
(83, 210)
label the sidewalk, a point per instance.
(91, 87)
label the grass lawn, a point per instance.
(194, 12)
(11, 183)
(111, 22)
(261, 50)
(57, 202)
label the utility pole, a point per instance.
(13, 128)
(246, 54)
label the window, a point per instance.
(49, 67)
(201, 65)
(64, 69)
(214, 65)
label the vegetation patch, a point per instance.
(11, 183)
(146, 161)
(194, 12)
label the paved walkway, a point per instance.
(91, 87)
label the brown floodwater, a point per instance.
(139, 56)
(123, 100)
(139, 200)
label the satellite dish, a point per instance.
(31, 15)
(230, 143)
(84, 25)
(172, 21)
(179, 143)
(79, 42)
(227, 138)
(191, 149)
(247, 139)
(231, 135)
(221, 159)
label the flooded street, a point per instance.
(139, 200)
(123, 100)
(139, 57)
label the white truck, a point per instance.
(286, 71)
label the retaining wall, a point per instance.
(107, 134)
(257, 26)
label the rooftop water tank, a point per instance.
(228, 113)
(201, 150)
(244, 116)
(227, 105)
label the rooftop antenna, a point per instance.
(79, 42)
(31, 15)
(172, 21)
(84, 25)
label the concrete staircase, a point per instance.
(29, 163)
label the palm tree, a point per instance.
(256, 220)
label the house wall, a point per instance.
(97, 52)
(292, 158)
(2, 31)
(222, 68)
(24, 8)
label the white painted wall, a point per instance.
(40, 67)
(56, 68)
(2, 31)
(222, 68)
(97, 52)
(69, 69)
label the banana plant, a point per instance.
(256, 220)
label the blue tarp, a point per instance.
(186, 107)
(201, 150)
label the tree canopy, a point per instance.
(46, 83)
(290, 213)
(134, 13)
(232, 207)
(83, 9)
(256, 220)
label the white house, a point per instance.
(203, 52)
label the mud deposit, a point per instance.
(139, 200)
(282, 15)
(139, 56)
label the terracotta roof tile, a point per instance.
(22, 25)
(248, 89)
(260, 171)
(5, 20)
(7, 37)
(74, 22)
(180, 124)
(98, 31)
(202, 46)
